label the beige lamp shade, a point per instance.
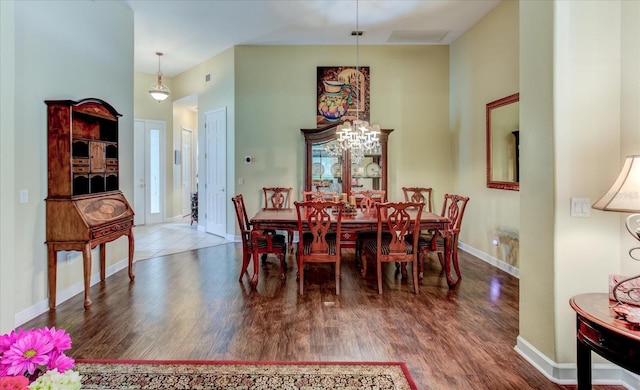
(624, 195)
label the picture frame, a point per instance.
(342, 94)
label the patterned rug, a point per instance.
(175, 375)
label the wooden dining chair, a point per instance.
(444, 242)
(278, 198)
(318, 234)
(418, 195)
(318, 196)
(400, 219)
(366, 201)
(255, 243)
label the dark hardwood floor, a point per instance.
(190, 306)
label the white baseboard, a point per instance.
(43, 306)
(566, 373)
(508, 268)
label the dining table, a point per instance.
(351, 223)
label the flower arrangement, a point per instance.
(35, 359)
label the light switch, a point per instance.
(24, 196)
(580, 207)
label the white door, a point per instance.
(216, 163)
(149, 171)
(186, 159)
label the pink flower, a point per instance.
(60, 361)
(27, 353)
(13, 383)
(60, 339)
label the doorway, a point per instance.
(187, 174)
(149, 171)
(216, 171)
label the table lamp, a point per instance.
(624, 196)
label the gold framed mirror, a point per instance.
(503, 143)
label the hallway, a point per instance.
(169, 238)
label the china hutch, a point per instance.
(84, 206)
(328, 168)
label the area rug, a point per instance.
(236, 375)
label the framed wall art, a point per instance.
(343, 94)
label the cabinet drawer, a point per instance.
(115, 228)
(80, 161)
(80, 169)
(112, 168)
(112, 161)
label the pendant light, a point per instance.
(358, 137)
(158, 90)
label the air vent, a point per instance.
(417, 36)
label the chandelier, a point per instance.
(158, 90)
(357, 137)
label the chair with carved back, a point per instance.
(318, 230)
(318, 196)
(278, 198)
(255, 243)
(401, 219)
(366, 200)
(418, 195)
(445, 242)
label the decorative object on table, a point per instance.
(38, 355)
(624, 196)
(159, 90)
(140, 374)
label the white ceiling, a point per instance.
(189, 32)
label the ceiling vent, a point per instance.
(417, 36)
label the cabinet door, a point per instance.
(327, 170)
(366, 173)
(98, 157)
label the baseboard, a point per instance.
(508, 268)
(64, 295)
(566, 373)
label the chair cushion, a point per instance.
(384, 248)
(277, 241)
(307, 239)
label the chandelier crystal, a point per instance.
(158, 90)
(357, 137)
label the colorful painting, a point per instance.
(343, 94)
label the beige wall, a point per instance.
(484, 68)
(52, 60)
(579, 99)
(409, 93)
(7, 166)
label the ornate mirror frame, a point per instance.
(497, 130)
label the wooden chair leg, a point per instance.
(414, 270)
(337, 271)
(379, 267)
(245, 264)
(283, 266)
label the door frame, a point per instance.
(140, 157)
(216, 170)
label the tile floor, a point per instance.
(167, 238)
